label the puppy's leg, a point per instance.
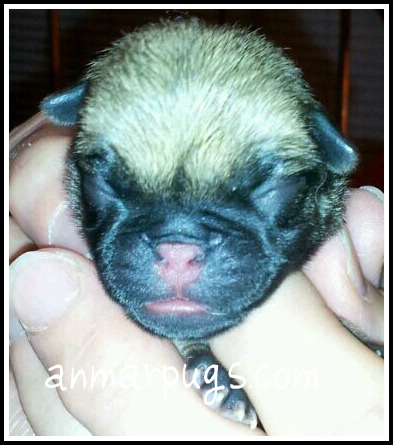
(214, 384)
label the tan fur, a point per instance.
(186, 96)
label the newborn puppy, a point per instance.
(202, 173)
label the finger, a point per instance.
(43, 407)
(38, 202)
(18, 423)
(23, 131)
(45, 412)
(308, 375)
(337, 273)
(18, 241)
(365, 221)
(73, 324)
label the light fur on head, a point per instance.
(197, 99)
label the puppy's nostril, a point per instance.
(198, 259)
(179, 264)
(159, 258)
(179, 254)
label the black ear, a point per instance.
(62, 108)
(340, 155)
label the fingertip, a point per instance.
(365, 222)
(374, 191)
(42, 286)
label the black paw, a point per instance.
(214, 385)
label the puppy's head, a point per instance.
(202, 173)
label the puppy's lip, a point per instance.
(175, 306)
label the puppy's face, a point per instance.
(189, 265)
(202, 173)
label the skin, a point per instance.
(69, 320)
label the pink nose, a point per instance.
(180, 264)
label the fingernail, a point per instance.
(352, 264)
(24, 130)
(374, 191)
(42, 286)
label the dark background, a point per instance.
(50, 48)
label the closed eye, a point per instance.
(271, 197)
(97, 191)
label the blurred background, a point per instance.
(339, 51)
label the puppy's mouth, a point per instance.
(176, 306)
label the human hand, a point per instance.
(71, 322)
